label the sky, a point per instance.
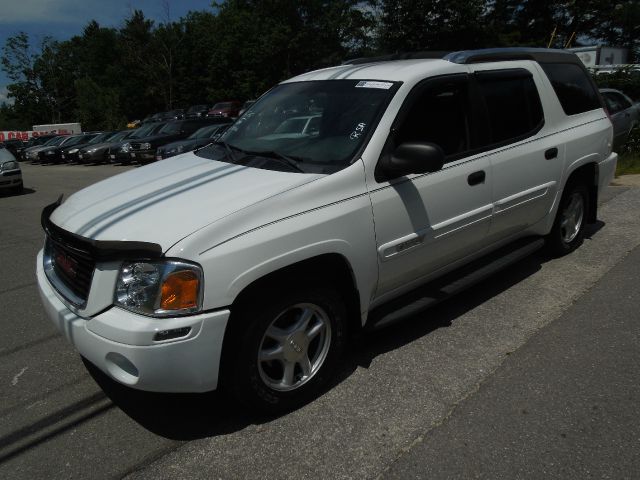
(62, 19)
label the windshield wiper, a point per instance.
(229, 149)
(291, 161)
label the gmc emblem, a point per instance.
(67, 264)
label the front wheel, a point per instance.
(286, 350)
(567, 233)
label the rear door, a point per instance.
(526, 159)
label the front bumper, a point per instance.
(121, 344)
(143, 155)
(10, 179)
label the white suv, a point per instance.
(245, 264)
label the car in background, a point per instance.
(176, 114)
(119, 152)
(196, 111)
(296, 127)
(246, 106)
(143, 150)
(97, 151)
(197, 139)
(13, 144)
(624, 113)
(54, 154)
(32, 142)
(228, 109)
(70, 154)
(31, 153)
(10, 173)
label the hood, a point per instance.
(97, 146)
(185, 143)
(166, 201)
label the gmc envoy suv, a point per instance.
(244, 265)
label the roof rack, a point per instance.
(397, 56)
(547, 55)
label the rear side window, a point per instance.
(513, 104)
(573, 87)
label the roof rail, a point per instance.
(547, 55)
(397, 56)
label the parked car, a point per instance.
(246, 106)
(97, 152)
(119, 152)
(32, 142)
(196, 111)
(31, 153)
(53, 154)
(225, 109)
(176, 114)
(247, 263)
(143, 150)
(197, 139)
(13, 145)
(624, 113)
(10, 172)
(71, 153)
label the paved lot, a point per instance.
(398, 389)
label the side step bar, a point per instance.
(452, 283)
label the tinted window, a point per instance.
(439, 115)
(612, 102)
(573, 87)
(513, 104)
(624, 102)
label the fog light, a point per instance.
(173, 333)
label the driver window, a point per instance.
(439, 115)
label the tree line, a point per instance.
(240, 48)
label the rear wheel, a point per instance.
(285, 351)
(567, 233)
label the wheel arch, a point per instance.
(588, 174)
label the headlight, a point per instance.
(49, 152)
(125, 148)
(145, 146)
(160, 288)
(9, 166)
(91, 150)
(73, 150)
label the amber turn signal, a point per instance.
(180, 291)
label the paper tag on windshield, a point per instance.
(381, 85)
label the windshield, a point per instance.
(120, 136)
(171, 128)
(54, 141)
(145, 130)
(321, 125)
(77, 140)
(204, 132)
(196, 108)
(101, 137)
(220, 106)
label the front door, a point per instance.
(427, 221)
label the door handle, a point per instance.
(476, 177)
(551, 153)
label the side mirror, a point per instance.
(410, 158)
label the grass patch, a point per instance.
(628, 163)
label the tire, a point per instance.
(567, 233)
(265, 366)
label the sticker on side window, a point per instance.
(369, 84)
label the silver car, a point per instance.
(624, 113)
(10, 173)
